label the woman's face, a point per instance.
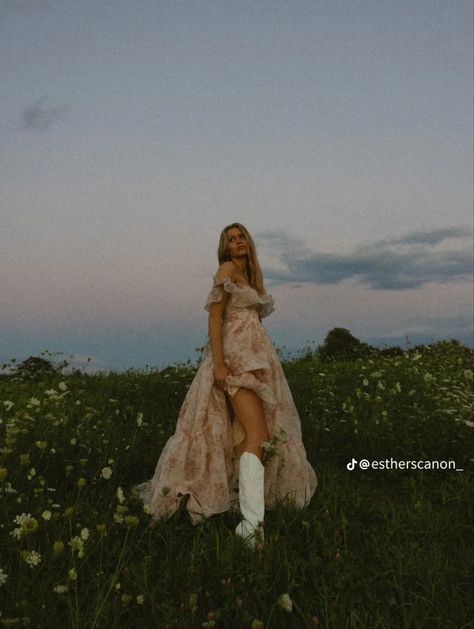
(238, 244)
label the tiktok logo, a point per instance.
(351, 465)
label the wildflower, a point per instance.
(193, 598)
(33, 402)
(269, 448)
(8, 404)
(3, 577)
(139, 419)
(41, 444)
(120, 496)
(46, 515)
(85, 533)
(62, 386)
(468, 423)
(72, 574)
(27, 523)
(77, 543)
(131, 520)
(140, 599)
(73, 441)
(60, 589)
(10, 622)
(58, 548)
(106, 472)
(31, 557)
(365, 382)
(285, 602)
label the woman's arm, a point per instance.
(216, 313)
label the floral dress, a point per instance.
(201, 459)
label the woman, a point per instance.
(238, 435)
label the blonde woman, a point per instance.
(238, 443)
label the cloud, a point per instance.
(41, 116)
(404, 263)
(10, 7)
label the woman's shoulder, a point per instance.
(226, 269)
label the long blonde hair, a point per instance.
(253, 266)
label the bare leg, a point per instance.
(248, 408)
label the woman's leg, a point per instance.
(248, 408)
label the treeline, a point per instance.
(339, 345)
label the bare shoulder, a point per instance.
(226, 269)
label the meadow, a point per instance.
(375, 548)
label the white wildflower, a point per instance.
(32, 558)
(85, 533)
(285, 602)
(60, 589)
(106, 472)
(76, 543)
(62, 386)
(3, 577)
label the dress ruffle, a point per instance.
(244, 296)
(185, 468)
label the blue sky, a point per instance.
(339, 133)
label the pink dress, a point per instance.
(201, 458)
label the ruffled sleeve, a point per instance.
(218, 288)
(268, 306)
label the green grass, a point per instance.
(376, 548)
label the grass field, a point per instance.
(376, 548)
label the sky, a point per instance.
(340, 133)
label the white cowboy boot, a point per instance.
(251, 497)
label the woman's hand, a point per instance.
(220, 374)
